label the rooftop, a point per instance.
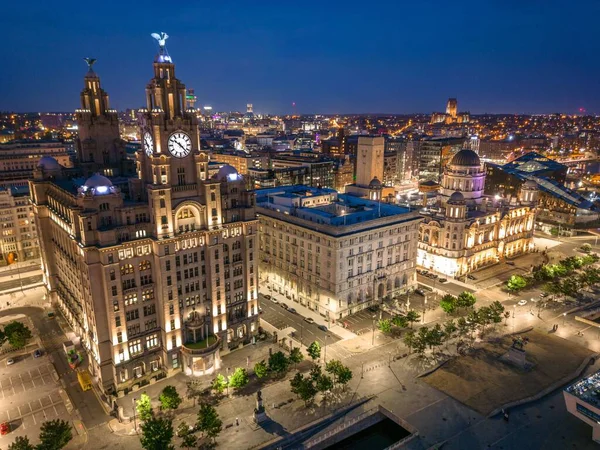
(338, 213)
(587, 389)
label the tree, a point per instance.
(260, 369)
(385, 326)
(449, 329)
(3, 338)
(586, 248)
(144, 407)
(169, 398)
(296, 382)
(400, 321)
(208, 421)
(324, 383)
(296, 355)
(435, 336)
(307, 390)
(278, 363)
(462, 326)
(189, 441)
(55, 434)
(506, 317)
(21, 443)
(465, 300)
(412, 316)
(409, 340)
(239, 378)
(314, 350)
(219, 383)
(516, 283)
(496, 311)
(448, 303)
(157, 433)
(341, 373)
(17, 334)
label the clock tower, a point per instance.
(170, 165)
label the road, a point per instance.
(281, 318)
(52, 337)
(16, 282)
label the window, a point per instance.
(162, 203)
(172, 324)
(126, 269)
(152, 341)
(135, 346)
(169, 282)
(171, 309)
(112, 275)
(114, 290)
(117, 321)
(145, 265)
(130, 299)
(115, 305)
(120, 337)
(149, 310)
(132, 315)
(168, 265)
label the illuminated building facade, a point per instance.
(18, 234)
(335, 253)
(167, 280)
(467, 230)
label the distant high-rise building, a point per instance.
(191, 98)
(249, 108)
(452, 107)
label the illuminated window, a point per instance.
(126, 269)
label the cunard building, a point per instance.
(164, 279)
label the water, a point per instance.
(376, 437)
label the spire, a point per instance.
(163, 54)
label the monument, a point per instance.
(259, 412)
(516, 353)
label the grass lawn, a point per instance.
(484, 382)
(203, 343)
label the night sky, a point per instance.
(328, 56)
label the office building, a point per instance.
(434, 154)
(18, 238)
(163, 281)
(581, 400)
(335, 253)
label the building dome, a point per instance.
(466, 158)
(98, 185)
(48, 163)
(227, 173)
(375, 184)
(456, 198)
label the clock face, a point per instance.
(180, 144)
(148, 144)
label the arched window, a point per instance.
(185, 213)
(397, 283)
(145, 265)
(126, 269)
(213, 197)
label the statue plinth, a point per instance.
(260, 414)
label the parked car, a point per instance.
(420, 292)
(443, 280)
(292, 310)
(37, 353)
(544, 294)
(4, 428)
(284, 306)
(510, 263)
(522, 302)
(471, 277)
(322, 328)
(274, 300)
(268, 297)
(309, 320)
(260, 311)
(10, 361)
(373, 308)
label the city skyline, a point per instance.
(334, 60)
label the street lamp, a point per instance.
(134, 419)
(373, 336)
(564, 317)
(326, 336)
(514, 309)
(424, 308)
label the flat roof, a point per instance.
(587, 389)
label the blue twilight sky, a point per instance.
(327, 56)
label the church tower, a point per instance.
(170, 165)
(99, 145)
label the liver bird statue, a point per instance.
(90, 62)
(161, 38)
